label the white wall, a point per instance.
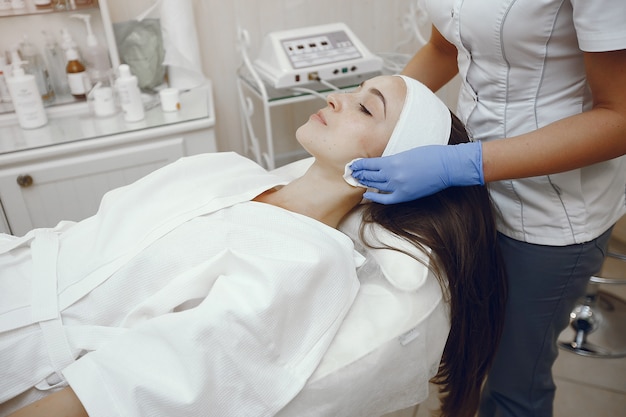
(380, 24)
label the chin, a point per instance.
(301, 136)
(299, 132)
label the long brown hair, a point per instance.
(458, 225)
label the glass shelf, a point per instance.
(74, 122)
(7, 107)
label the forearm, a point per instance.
(571, 143)
(62, 403)
(434, 64)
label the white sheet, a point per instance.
(381, 359)
(183, 310)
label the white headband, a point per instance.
(424, 120)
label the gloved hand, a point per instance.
(419, 172)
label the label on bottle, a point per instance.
(28, 106)
(79, 83)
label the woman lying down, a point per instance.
(212, 288)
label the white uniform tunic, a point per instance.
(180, 297)
(521, 68)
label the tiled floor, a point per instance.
(586, 387)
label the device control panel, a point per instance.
(302, 56)
(319, 50)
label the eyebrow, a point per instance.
(377, 93)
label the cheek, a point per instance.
(374, 142)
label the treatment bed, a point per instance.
(390, 344)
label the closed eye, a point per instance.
(364, 110)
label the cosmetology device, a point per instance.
(297, 57)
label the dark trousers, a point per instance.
(544, 285)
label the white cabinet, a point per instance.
(47, 179)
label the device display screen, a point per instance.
(326, 48)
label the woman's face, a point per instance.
(356, 124)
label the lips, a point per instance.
(319, 116)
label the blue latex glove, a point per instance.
(420, 171)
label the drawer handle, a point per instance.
(25, 181)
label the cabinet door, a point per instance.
(44, 193)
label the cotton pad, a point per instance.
(347, 175)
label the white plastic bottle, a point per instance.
(129, 94)
(27, 101)
(95, 55)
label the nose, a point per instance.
(333, 101)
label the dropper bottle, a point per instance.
(67, 42)
(96, 56)
(77, 76)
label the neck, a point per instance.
(323, 197)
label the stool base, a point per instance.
(597, 327)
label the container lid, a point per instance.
(71, 54)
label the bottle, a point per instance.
(4, 89)
(56, 63)
(27, 101)
(102, 100)
(36, 66)
(68, 43)
(77, 77)
(95, 55)
(129, 94)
